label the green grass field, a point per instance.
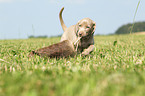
(115, 68)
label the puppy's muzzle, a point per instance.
(81, 32)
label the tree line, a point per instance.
(125, 29)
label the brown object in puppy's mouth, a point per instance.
(61, 49)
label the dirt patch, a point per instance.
(140, 33)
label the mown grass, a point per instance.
(115, 68)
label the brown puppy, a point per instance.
(61, 49)
(85, 29)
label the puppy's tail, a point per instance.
(61, 20)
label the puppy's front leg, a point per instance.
(88, 50)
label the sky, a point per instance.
(22, 18)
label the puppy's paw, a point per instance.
(84, 53)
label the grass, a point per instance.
(134, 16)
(115, 68)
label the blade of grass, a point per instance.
(134, 16)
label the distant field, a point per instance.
(115, 68)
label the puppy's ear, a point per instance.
(94, 27)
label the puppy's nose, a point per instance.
(80, 34)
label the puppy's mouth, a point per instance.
(83, 35)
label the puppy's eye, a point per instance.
(87, 27)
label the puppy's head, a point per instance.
(85, 27)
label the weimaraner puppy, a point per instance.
(85, 29)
